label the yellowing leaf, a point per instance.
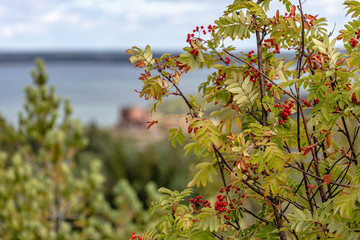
(277, 95)
(148, 54)
(282, 77)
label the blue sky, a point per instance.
(118, 24)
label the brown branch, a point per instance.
(218, 236)
(301, 55)
(177, 88)
(221, 171)
(261, 77)
(349, 140)
(293, 203)
(257, 217)
(316, 177)
(222, 157)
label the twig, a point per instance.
(257, 217)
(316, 177)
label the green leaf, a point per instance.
(148, 54)
(282, 77)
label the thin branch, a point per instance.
(293, 203)
(299, 106)
(316, 177)
(257, 217)
(236, 227)
(349, 140)
(221, 170)
(261, 77)
(177, 88)
(218, 236)
(346, 171)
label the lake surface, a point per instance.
(97, 90)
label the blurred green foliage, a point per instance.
(54, 176)
(122, 157)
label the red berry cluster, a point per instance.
(220, 78)
(270, 42)
(317, 61)
(306, 102)
(252, 60)
(286, 110)
(227, 61)
(199, 201)
(254, 75)
(192, 42)
(268, 85)
(200, 30)
(354, 41)
(190, 37)
(221, 203)
(195, 52)
(133, 236)
(290, 14)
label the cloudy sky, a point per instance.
(118, 24)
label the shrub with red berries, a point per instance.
(288, 160)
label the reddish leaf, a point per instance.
(267, 202)
(327, 178)
(190, 129)
(141, 64)
(292, 10)
(243, 166)
(145, 76)
(288, 188)
(311, 187)
(308, 148)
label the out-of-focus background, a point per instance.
(83, 43)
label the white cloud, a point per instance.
(6, 32)
(12, 30)
(51, 17)
(122, 23)
(329, 7)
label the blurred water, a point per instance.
(97, 90)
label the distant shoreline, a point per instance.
(79, 56)
(64, 57)
(69, 56)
